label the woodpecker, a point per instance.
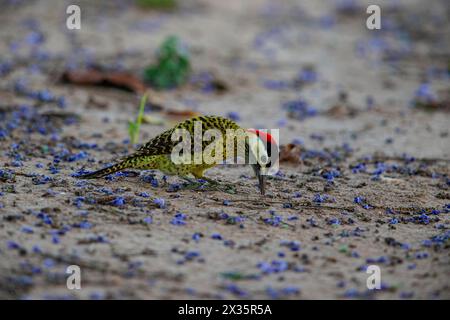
(157, 153)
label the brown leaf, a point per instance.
(94, 77)
(182, 113)
(341, 111)
(290, 153)
(443, 105)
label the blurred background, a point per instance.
(248, 56)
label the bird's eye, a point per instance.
(263, 159)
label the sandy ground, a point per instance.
(372, 189)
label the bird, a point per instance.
(157, 153)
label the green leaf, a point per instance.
(134, 127)
(173, 66)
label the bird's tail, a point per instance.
(126, 163)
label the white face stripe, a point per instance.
(258, 149)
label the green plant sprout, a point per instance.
(157, 4)
(173, 66)
(134, 126)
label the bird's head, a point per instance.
(263, 149)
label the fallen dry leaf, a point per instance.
(290, 153)
(94, 77)
(341, 110)
(182, 113)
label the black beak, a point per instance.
(261, 178)
(262, 183)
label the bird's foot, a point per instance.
(210, 181)
(219, 186)
(191, 184)
(210, 185)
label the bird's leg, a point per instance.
(225, 187)
(213, 184)
(210, 181)
(189, 180)
(165, 181)
(192, 184)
